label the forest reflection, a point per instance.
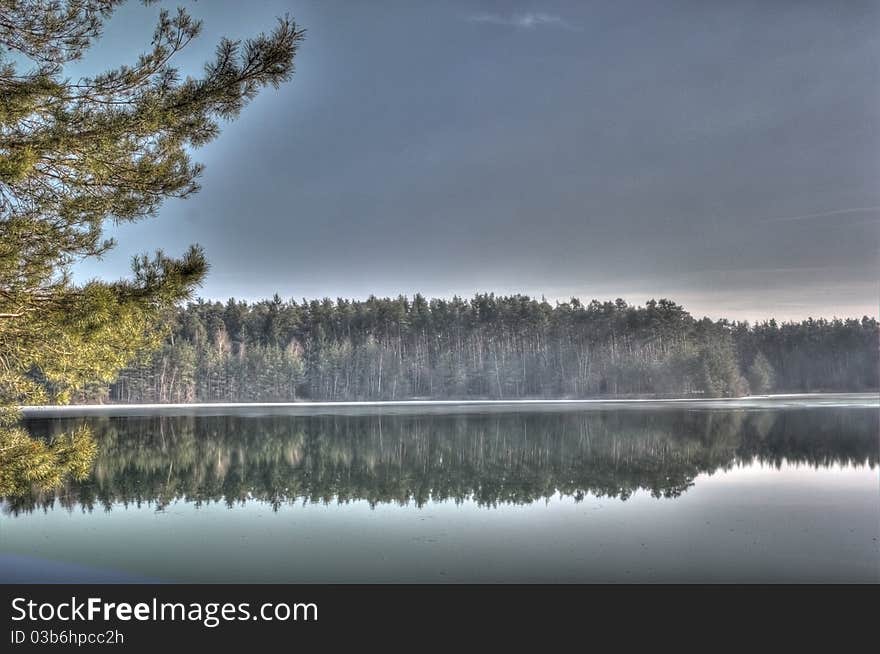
(488, 459)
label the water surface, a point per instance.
(739, 492)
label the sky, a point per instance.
(720, 154)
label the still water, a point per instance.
(682, 492)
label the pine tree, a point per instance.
(75, 154)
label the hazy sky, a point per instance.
(723, 154)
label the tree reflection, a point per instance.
(489, 459)
(32, 465)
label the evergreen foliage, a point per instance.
(761, 375)
(486, 347)
(77, 153)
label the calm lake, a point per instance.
(778, 490)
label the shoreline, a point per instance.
(869, 400)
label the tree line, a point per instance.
(495, 347)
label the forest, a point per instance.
(487, 347)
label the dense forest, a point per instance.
(490, 459)
(486, 347)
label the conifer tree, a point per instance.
(77, 153)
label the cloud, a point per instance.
(827, 214)
(527, 21)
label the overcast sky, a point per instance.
(722, 154)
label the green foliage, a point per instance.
(77, 153)
(815, 354)
(73, 155)
(761, 375)
(29, 464)
(718, 371)
(486, 347)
